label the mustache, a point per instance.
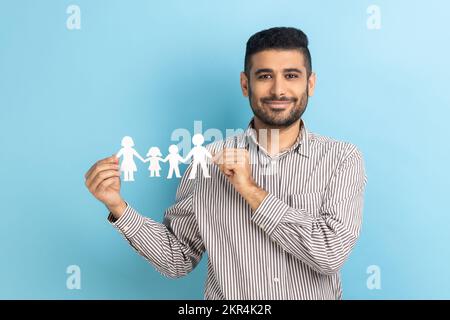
(277, 99)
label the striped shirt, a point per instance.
(291, 247)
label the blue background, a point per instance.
(145, 68)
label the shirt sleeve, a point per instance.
(173, 247)
(322, 241)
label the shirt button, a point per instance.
(126, 228)
(276, 279)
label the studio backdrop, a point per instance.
(77, 76)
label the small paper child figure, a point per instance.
(174, 159)
(127, 152)
(199, 154)
(154, 156)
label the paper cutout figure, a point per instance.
(128, 167)
(199, 154)
(154, 157)
(174, 159)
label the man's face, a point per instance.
(278, 87)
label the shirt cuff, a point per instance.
(129, 223)
(269, 213)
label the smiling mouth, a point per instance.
(278, 105)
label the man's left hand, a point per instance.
(235, 165)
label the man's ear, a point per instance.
(311, 84)
(244, 84)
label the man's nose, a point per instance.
(278, 88)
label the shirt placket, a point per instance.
(273, 175)
(269, 176)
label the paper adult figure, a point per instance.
(174, 160)
(199, 155)
(154, 156)
(128, 153)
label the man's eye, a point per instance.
(291, 76)
(265, 76)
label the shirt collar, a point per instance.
(301, 145)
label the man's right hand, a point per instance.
(103, 181)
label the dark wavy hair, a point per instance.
(278, 38)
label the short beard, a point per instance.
(270, 120)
